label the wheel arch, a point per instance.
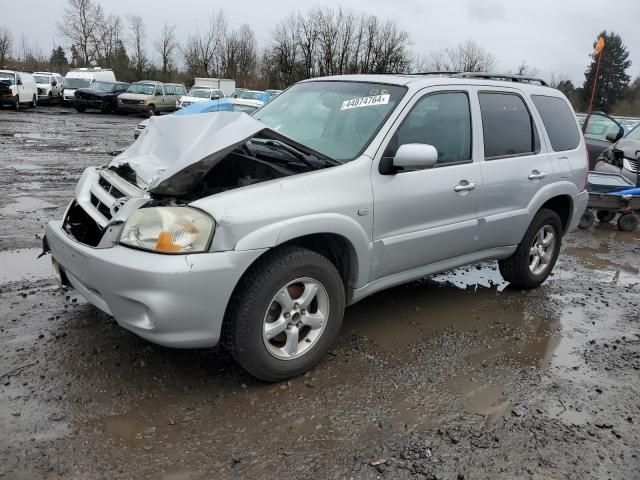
(563, 206)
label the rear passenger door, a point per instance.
(515, 166)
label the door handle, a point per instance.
(464, 186)
(536, 175)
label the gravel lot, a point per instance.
(456, 376)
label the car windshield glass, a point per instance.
(143, 88)
(199, 93)
(337, 119)
(244, 108)
(7, 76)
(248, 95)
(77, 82)
(634, 134)
(41, 78)
(103, 86)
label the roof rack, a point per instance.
(508, 77)
(505, 77)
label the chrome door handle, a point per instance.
(536, 175)
(464, 187)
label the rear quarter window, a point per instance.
(558, 121)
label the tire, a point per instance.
(80, 108)
(50, 99)
(255, 304)
(628, 222)
(17, 105)
(34, 101)
(605, 216)
(106, 107)
(519, 269)
(587, 220)
(151, 111)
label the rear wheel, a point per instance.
(628, 222)
(285, 314)
(536, 255)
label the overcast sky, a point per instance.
(550, 35)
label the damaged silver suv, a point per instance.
(257, 231)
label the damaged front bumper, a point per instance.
(172, 300)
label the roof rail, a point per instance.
(508, 77)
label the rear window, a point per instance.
(507, 125)
(558, 121)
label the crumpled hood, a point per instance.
(174, 152)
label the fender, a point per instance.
(281, 232)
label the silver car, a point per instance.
(258, 231)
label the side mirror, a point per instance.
(415, 156)
(53, 83)
(614, 137)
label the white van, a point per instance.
(17, 89)
(49, 85)
(82, 78)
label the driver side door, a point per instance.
(422, 217)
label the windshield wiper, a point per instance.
(296, 153)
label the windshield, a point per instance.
(41, 78)
(103, 86)
(7, 76)
(248, 95)
(199, 93)
(77, 82)
(143, 88)
(337, 119)
(244, 108)
(634, 134)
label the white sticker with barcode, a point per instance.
(365, 101)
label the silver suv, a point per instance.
(257, 231)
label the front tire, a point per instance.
(34, 101)
(285, 314)
(151, 111)
(17, 105)
(536, 255)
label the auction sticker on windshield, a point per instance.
(365, 101)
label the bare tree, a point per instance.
(202, 52)
(469, 56)
(137, 35)
(239, 55)
(81, 20)
(165, 46)
(526, 70)
(434, 61)
(6, 45)
(108, 38)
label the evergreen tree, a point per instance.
(612, 76)
(58, 60)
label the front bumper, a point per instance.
(8, 99)
(88, 103)
(579, 206)
(172, 300)
(132, 108)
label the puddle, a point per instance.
(26, 205)
(487, 400)
(23, 264)
(25, 166)
(608, 272)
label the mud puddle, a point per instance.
(26, 205)
(24, 264)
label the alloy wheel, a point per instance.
(542, 250)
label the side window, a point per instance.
(159, 90)
(18, 80)
(559, 122)
(600, 126)
(168, 90)
(508, 130)
(442, 120)
(182, 90)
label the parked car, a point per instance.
(102, 96)
(600, 132)
(199, 94)
(82, 78)
(220, 105)
(252, 97)
(150, 98)
(17, 89)
(622, 157)
(256, 231)
(49, 86)
(274, 93)
(227, 85)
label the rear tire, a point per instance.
(542, 242)
(605, 216)
(628, 222)
(273, 342)
(587, 220)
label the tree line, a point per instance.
(319, 41)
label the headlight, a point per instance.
(168, 230)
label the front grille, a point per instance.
(101, 207)
(80, 226)
(110, 189)
(633, 164)
(131, 102)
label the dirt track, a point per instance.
(458, 376)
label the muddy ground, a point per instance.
(457, 376)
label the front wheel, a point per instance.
(34, 101)
(151, 111)
(285, 314)
(628, 222)
(17, 105)
(536, 255)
